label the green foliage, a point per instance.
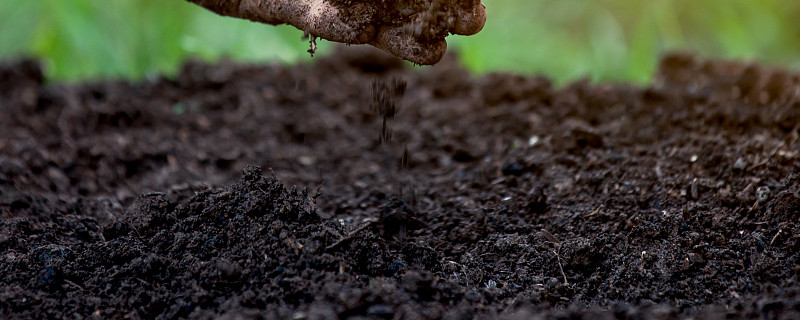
(622, 40)
(606, 40)
(80, 39)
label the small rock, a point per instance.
(306, 160)
(537, 200)
(739, 165)
(50, 278)
(461, 155)
(380, 310)
(533, 140)
(513, 169)
(762, 193)
(473, 296)
(52, 254)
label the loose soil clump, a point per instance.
(497, 196)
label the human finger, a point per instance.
(352, 24)
(348, 24)
(468, 19)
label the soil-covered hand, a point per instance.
(414, 30)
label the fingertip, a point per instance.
(405, 46)
(469, 22)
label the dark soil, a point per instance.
(421, 194)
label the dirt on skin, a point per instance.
(426, 20)
(414, 30)
(497, 196)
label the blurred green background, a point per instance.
(605, 40)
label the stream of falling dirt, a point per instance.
(386, 101)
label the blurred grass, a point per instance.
(605, 40)
(622, 40)
(81, 39)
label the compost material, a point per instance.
(355, 188)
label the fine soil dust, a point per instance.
(496, 196)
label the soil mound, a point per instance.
(456, 197)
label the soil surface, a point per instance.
(420, 194)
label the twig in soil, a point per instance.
(550, 237)
(74, 284)
(143, 281)
(775, 237)
(352, 234)
(317, 193)
(753, 208)
(596, 211)
(511, 304)
(560, 266)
